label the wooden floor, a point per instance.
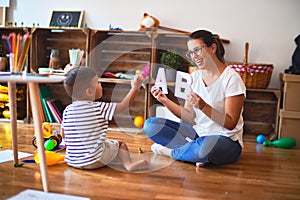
(260, 173)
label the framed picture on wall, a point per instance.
(63, 18)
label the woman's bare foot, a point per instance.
(161, 150)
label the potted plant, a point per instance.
(172, 61)
(192, 67)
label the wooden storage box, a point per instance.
(165, 42)
(261, 111)
(121, 52)
(46, 39)
(115, 92)
(291, 92)
(289, 125)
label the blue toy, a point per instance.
(260, 139)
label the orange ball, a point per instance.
(138, 121)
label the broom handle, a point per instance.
(185, 32)
(246, 54)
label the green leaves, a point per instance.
(172, 59)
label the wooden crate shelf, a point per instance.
(118, 51)
(45, 39)
(121, 52)
(261, 112)
(125, 52)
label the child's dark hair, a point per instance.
(78, 80)
(208, 38)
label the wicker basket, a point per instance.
(256, 76)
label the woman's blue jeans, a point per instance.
(187, 146)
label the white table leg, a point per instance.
(13, 120)
(36, 114)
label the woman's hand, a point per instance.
(158, 94)
(196, 101)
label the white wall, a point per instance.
(270, 26)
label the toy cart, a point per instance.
(49, 135)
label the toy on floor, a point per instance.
(281, 143)
(260, 139)
(52, 158)
(51, 140)
(140, 150)
(138, 121)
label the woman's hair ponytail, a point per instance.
(220, 49)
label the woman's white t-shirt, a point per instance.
(228, 84)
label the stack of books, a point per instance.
(52, 108)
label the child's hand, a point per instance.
(137, 81)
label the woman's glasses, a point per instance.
(197, 51)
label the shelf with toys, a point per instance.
(51, 48)
(116, 56)
(111, 53)
(22, 99)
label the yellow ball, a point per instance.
(138, 121)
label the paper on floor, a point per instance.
(40, 195)
(8, 155)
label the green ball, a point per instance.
(49, 145)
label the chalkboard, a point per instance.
(66, 19)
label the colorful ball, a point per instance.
(138, 121)
(260, 139)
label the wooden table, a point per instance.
(33, 82)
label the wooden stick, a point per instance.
(37, 121)
(186, 32)
(12, 38)
(246, 54)
(16, 52)
(173, 29)
(13, 120)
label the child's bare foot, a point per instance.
(138, 165)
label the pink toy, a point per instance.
(146, 70)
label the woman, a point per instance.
(211, 125)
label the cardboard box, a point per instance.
(291, 92)
(289, 125)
